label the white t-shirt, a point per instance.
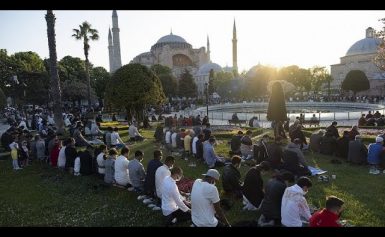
(173, 140)
(171, 198)
(61, 161)
(203, 196)
(77, 165)
(161, 173)
(100, 161)
(168, 137)
(121, 171)
(194, 145)
(115, 138)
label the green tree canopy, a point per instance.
(28, 61)
(187, 86)
(99, 79)
(3, 99)
(379, 59)
(169, 83)
(319, 76)
(36, 87)
(72, 68)
(277, 107)
(356, 81)
(134, 87)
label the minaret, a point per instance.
(235, 64)
(110, 51)
(208, 49)
(116, 41)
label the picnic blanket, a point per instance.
(315, 171)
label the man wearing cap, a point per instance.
(205, 203)
(374, 155)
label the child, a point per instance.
(14, 153)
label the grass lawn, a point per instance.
(40, 195)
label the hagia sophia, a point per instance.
(176, 53)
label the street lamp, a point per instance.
(207, 100)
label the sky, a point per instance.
(275, 38)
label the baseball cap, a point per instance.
(213, 173)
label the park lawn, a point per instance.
(42, 196)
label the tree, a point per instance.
(356, 81)
(28, 61)
(379, 59)
(187, 86)
(55, 81)
(100, 77)
(277, 108)
(287, 87)
(133, 87)
(169, 83)
(319, 76)
(75, 91)
(3, 99)
(257, 80)
(86, 33)
(72, 68)
(34, 87)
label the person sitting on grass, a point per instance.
(109, 166)
(116, 141)
(247, 146)
(137, 172)
(252, 189)
(295, 211)
(329, 216)
(174, 208)
(206, 210)
(357, 151)
(161, 173)
(231, 180)
(209, 155)
(122, 176)
(235, 143)
(134, 133)
(100, 159)
(374, 155)
(152, 166)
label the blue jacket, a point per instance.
(374, 153)
(209, 154)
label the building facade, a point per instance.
(360, 56)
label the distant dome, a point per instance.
(253, 72)
(206, 68)
(171, 39)
(367, 45)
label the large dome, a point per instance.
(171, 39)
(206, 68)
(365, 46)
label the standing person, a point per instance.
(187, 144)
(61, 161)
(173, 205)
(205, 202)
(329, 216)
(122, 176)
(40, 149)
(294, 205)
(137, 172)
(14, 154)
(109, 165)
(252, 189)
(24, 154)
(100, 159)
(152, 166)
(71, 155)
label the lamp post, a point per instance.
(207, 100)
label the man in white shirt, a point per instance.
(116, 141)
(121, 168)
(194, 145)
(100, 160)
(167, 139)
(174, 144)
(134, 133)
(294, 208)
(174, 209)
(205, 203)
(161, 173)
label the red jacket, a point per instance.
(324, 218)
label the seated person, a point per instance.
(381, 121)
(362, 121)
(294, 160)
(329, 216)
(294, 208)
(235, 143)
(252, 189)
(247, 146)
(328, 144)
(109, 166)
(315, 141)
(209, 155)
(87, 161)
(231, 179)
(137, 172)
(275, 152)
(343, 146)
(314, 119)
(353, 132)
(260, 149)
(357, 151)
(274, 189)
(235, 117)
(134, 133)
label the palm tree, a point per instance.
(86, 33)
(55, 81)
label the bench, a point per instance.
(311, 122)
(239, 121)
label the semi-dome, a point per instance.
(367, 45)
(171, 39)
(206, 68)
